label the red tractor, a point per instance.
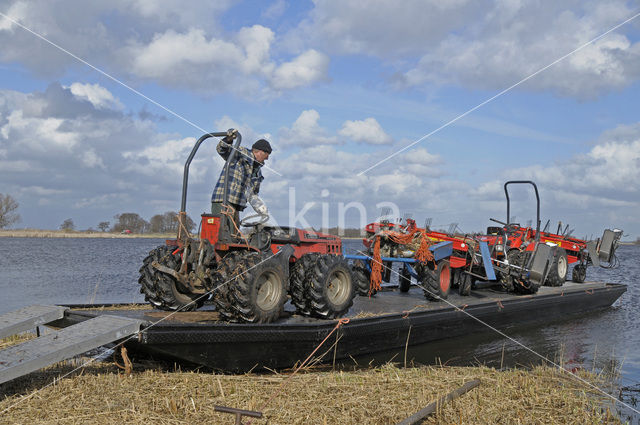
(247, 275)
(513, 257)
(511, 237)
(600, 252)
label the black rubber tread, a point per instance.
(362, 278)
(222, 281)
(244, 292)
(297, 280)
(464, 283)
(147, 280)
(532, 289)
(554, 278)
(431, 281)
(167, 295)
(519, 259)
(317, 285)
(404, 280)
(579, 273)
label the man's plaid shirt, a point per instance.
(244, 173)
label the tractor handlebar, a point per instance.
(185, 178)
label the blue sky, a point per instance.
(336, 86)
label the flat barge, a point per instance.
(391, 320)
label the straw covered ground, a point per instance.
(101, 393)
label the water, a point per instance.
(66, 271)
(70, 271)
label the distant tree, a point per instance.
(8, 207)
(103, 225)
(130, 221)
(189, 224)
(156, 224)
(67, 225)
(168, 223)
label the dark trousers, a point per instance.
(217, 208)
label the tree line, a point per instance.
(134, 223)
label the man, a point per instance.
(245, 176)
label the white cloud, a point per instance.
(163, 156)
(384, 28)
(41, 134)
(306, 131)
(510, 44)
(277, 8)
(308, 68)
(367, 131)
(91, 159)
(63, 151)
(482, 45)
(99, 96)
(163, 42)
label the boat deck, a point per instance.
(387, 302)
(389, 320)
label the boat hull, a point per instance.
(391, 320)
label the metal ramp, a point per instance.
(28, 318)
(35, 354)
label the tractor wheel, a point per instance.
(579, 273)
(362, 278)
(437, 283)
(464, 283)
(297, 281)
(329, 287)
(259, 289)
(404, 280)
(559, 268)
(147, 280)
(223, 280)
(161, 289)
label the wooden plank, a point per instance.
(35, 354)
(28, 318)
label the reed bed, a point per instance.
(100, 394)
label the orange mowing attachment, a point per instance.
(422, 254)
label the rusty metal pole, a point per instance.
(238, 412)
(181, 225)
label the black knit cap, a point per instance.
(262, 145)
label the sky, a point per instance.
(101, 103)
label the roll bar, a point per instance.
(506, 192)
(232, 155)
(185, 178)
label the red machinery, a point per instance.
(509, 254)
(248, 275)
(576, 250)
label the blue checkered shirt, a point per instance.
(244, 173)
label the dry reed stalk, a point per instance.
(16, 339)
(383, 395)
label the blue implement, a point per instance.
(440, 250)
(486, 261)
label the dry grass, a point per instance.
(383, 395)
(16, 339)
